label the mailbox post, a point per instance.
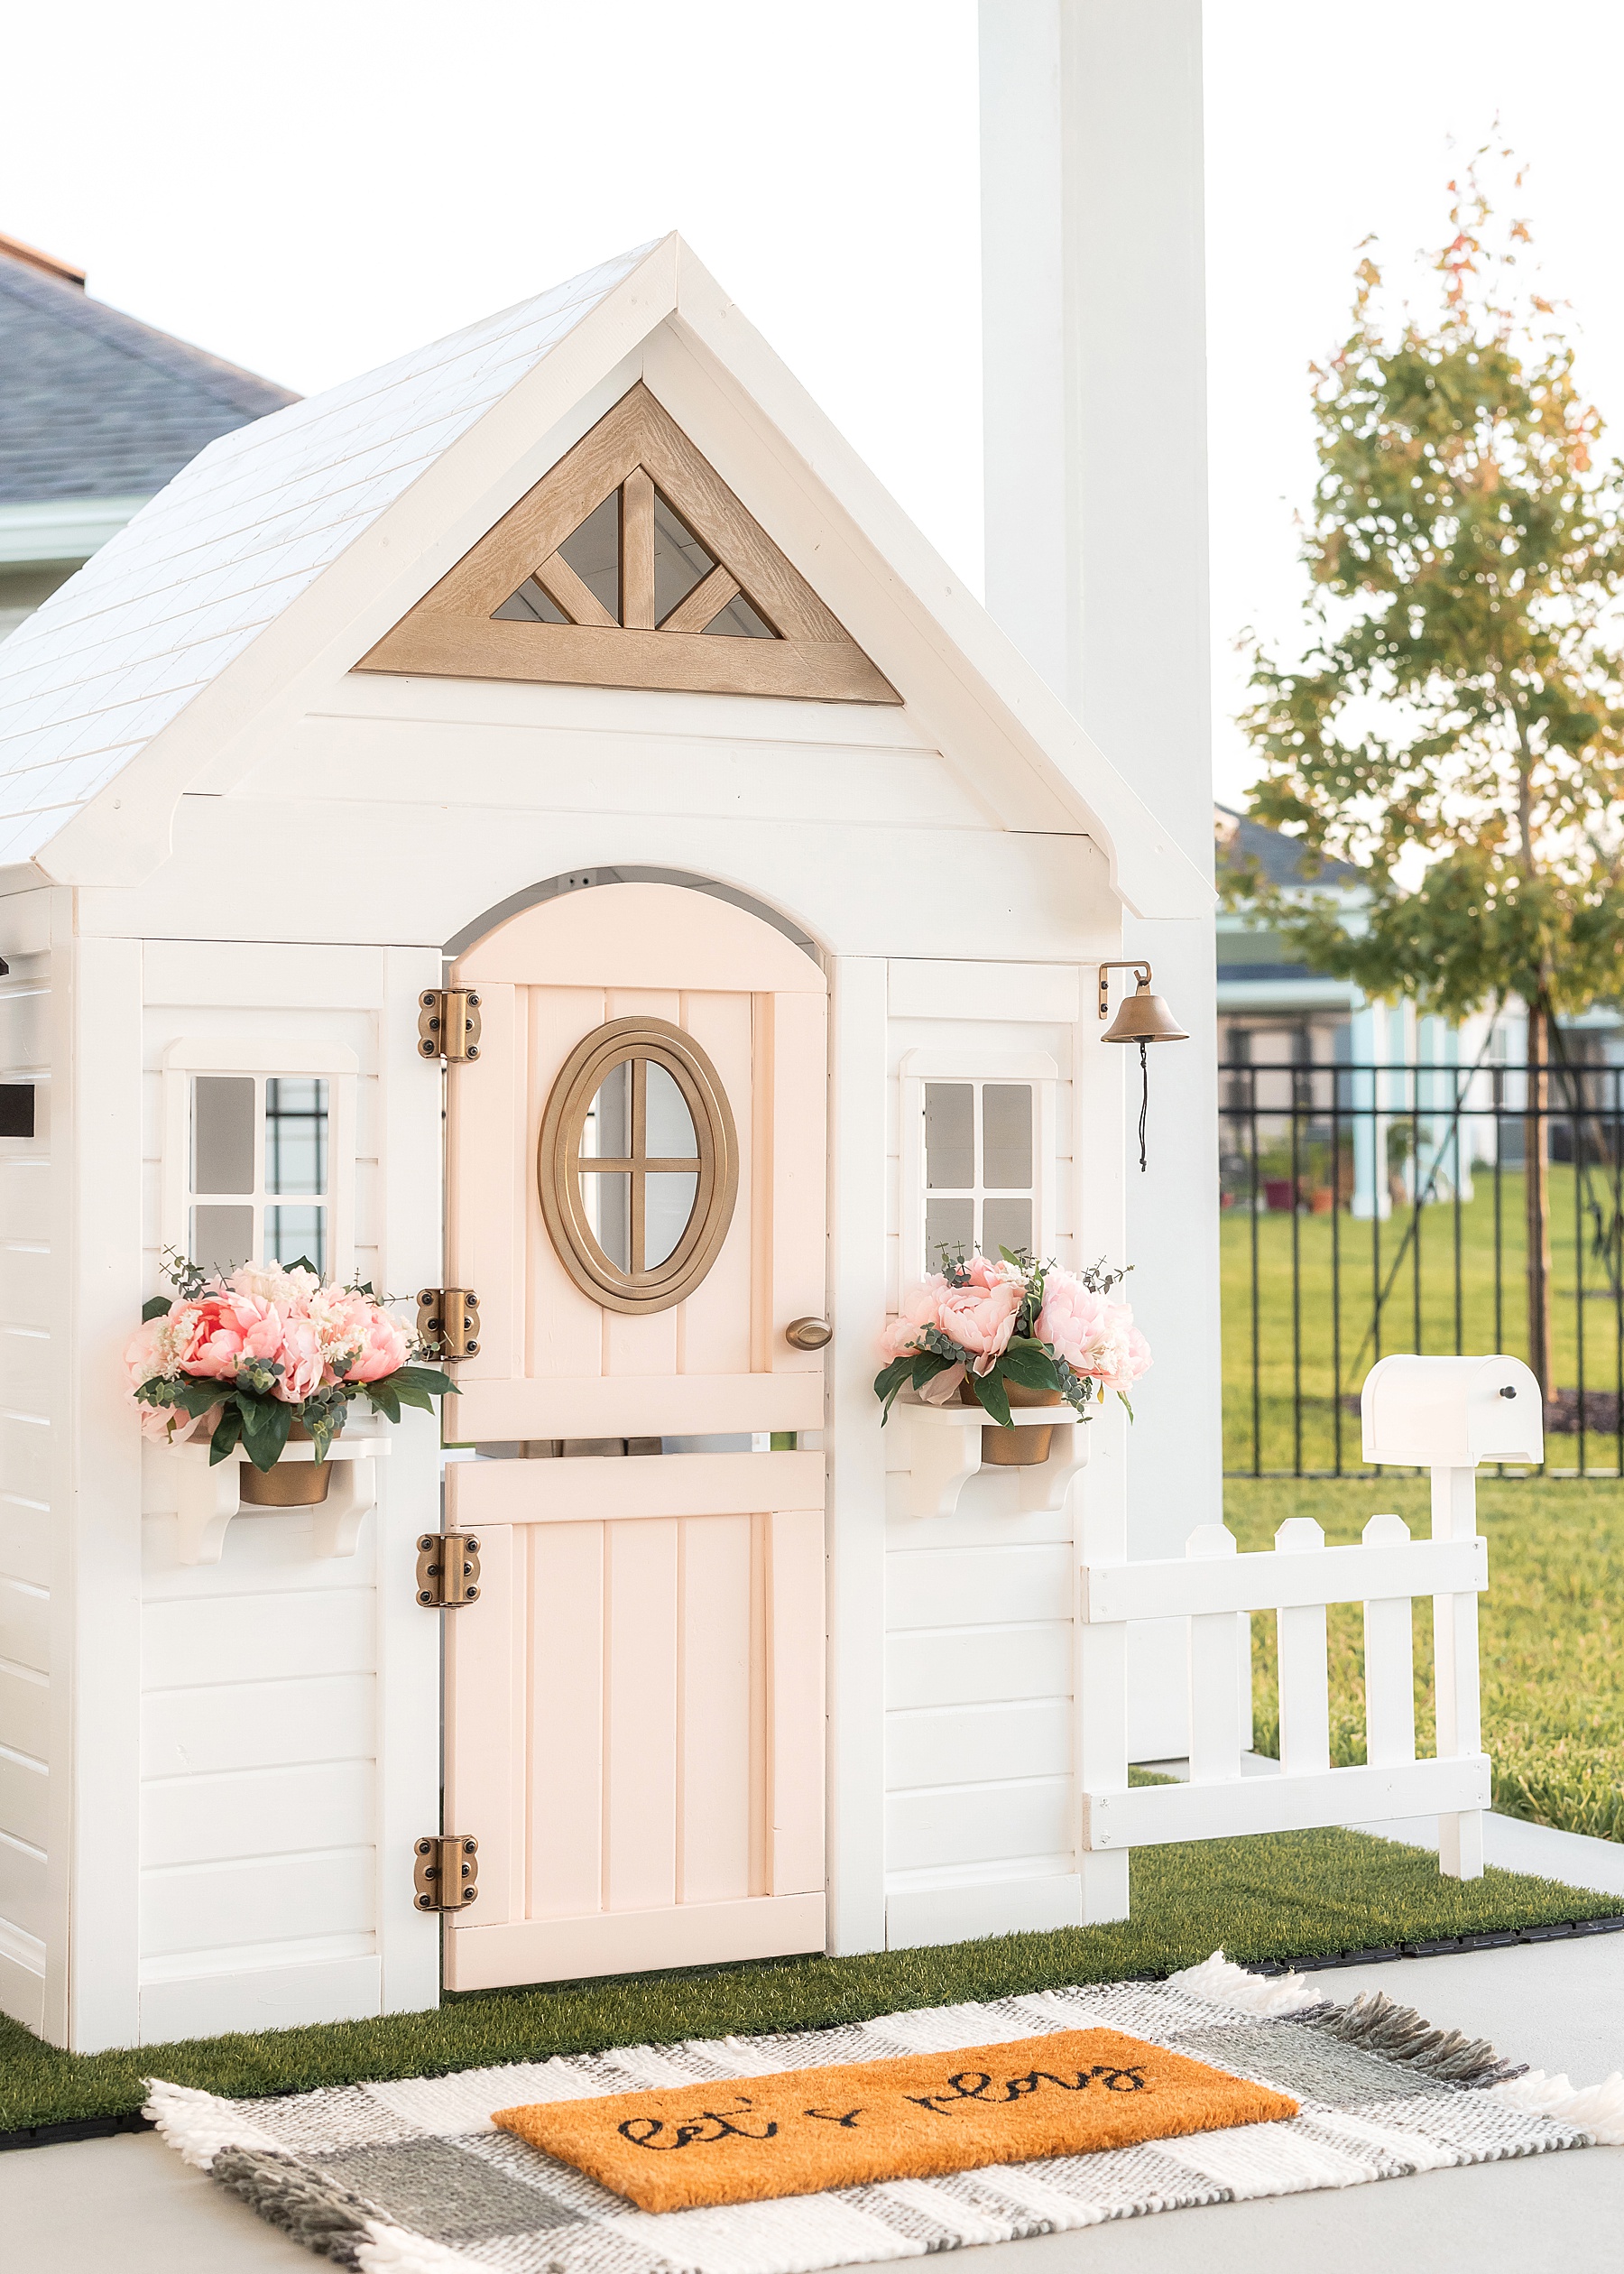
(1448, 1415)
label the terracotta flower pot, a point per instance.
(286, 1484)
(1012, 1447)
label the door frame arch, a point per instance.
(587, 879)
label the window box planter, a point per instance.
(944, 1450)
(210, 1498)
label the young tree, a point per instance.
(1456, 724)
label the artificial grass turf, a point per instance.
(1283, 1895)
(1551, 1628)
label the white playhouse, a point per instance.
(537, 828)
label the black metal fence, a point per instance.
(1372, 1208)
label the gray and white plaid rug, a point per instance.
(413, 2178)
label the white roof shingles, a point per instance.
(120, 650)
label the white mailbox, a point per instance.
(1451, 1412)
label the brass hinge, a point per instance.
(445, 1874)
(448, 1571)
(447, 1321)
(449, 1023)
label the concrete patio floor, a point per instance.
(129, 2205)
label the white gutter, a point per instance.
(1288, 994)
(61, 528)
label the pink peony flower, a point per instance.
(1073, 1321)
(1095, 1336)
(304, 1363)
(1128, 1355)
(269, 1283)
(921, 1310)
(986, 1272)
(228, 1328)
(384, 1347)
(146, 1354)
(980, 1319)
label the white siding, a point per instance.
(263, 1875)
(24, 1495)
(980, 1715)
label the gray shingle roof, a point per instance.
(114, 656)
(1280, 858)
(94, 405)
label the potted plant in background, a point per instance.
(1013, 1333)
(266, 1354)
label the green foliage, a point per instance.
(252, 1414)
(1290, 1895)
(1456, 724)
(1024, 1359)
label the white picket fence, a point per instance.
(1217, 1590)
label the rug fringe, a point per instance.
(393, 2251)
(200, 2124)
(1597, 2109)
(1218, 1982)
(324, 2217)
(1378, 2024)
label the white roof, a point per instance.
(139, 664)
(122, 648)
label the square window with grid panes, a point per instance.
(980, 1169)
(259, 1170)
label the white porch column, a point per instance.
(1093, 299)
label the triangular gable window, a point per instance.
(631, 564)
(531, 604)
(680, 560)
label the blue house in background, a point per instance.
(1286, 1034)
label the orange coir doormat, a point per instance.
(683, 2146)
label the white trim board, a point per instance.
(965, 1911)
(22, 1977)
(1037, 994)
(260, 1997)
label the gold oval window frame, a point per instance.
(559, 1164)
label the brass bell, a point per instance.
(1143, 1017)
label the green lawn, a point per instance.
(1553, 1620)
(1297, 1894)
(1442, 1299)
(1552, 1627)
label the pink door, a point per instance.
(634, 1717)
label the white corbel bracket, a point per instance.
(944, 1450)
(210, 1497)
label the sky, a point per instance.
(311, 191)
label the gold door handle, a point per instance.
(808, 1334)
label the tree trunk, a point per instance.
(1537, 1165)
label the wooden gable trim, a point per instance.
(453, 632)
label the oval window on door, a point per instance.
(638, 1165)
